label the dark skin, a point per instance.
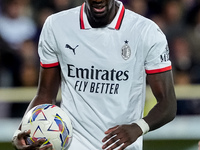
(163, 112)
(100, 13)
(49, 83)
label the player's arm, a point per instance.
(49, 82)
(163, 112)
(163, 89)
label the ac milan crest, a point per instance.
(126, 51)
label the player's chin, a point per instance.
(99, 17)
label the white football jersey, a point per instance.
(103, 69)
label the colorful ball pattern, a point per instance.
(51, 123)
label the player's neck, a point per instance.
(104, 21)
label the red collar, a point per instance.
(115, 24)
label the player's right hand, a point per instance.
(19, 142)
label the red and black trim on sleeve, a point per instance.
(49, 65)
(159, 70)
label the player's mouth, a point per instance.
(99, 9)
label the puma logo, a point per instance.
(73, 49)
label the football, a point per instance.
(51, 123)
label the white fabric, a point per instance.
(100, 89)
(143, 125)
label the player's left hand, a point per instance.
(121, 136)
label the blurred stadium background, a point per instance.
(20, 25)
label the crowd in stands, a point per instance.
(21, 22)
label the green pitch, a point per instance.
(148, 145)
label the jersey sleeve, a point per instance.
(157, 58)
(47, 46)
